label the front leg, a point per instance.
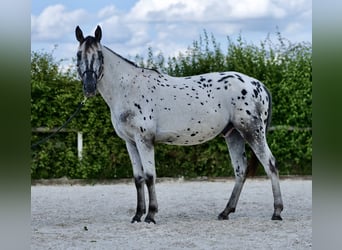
(146, 152)
(153, 205)
(141, 207)
(138, 179)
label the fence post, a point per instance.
(79, 144)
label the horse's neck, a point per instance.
(115, 69)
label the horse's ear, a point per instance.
(98, 33)
(79, 34)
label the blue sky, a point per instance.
(131, 26)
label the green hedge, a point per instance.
(284, 67)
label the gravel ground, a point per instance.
(98, 216)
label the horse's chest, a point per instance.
(123, 123)
(130, 121)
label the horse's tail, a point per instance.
(253, 162)
(269, 111)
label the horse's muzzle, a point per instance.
(89, 80)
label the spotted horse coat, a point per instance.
(148, 107)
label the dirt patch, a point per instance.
(98, 217)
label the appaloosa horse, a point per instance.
(148, 107)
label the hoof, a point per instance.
(222, 216)
(276, 217)
(136, 219)
(149, 220)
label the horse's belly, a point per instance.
(184, 140)
(187, 130)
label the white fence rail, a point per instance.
(288, 128)
(53, 130)
(80, 134)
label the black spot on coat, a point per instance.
(239, 77)
(255, 93)
(225, 77)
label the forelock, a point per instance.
(89, 42)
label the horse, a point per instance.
(148, 107)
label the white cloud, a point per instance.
(107, 11)
(204, 10)
(184, 20)
(116, 30)
(154, 10)
(250, 9)
(54, 22)
(171, 26)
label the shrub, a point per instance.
(284, 67)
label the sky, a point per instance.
(129, 27)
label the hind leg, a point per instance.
(236, 146)
(265, 156)
(269, 163)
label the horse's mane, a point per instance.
(129, 61)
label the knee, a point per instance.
(149, 179)
(139, 181)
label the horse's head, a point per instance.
(89, 60)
